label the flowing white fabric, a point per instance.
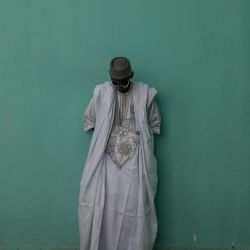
(116, 210)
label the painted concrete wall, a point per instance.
(194, 52)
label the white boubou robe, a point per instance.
(92, 188)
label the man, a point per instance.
(116, 204)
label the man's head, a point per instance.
(120, 70)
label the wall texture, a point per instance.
(194, 52)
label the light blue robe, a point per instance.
(92, 187)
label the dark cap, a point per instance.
(120, 68)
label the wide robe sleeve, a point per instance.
(154, 116)
(89, 116)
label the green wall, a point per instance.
(194, 52)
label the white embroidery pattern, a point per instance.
(122, 144)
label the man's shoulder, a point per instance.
(146, 86)
(99, 86)
(102, 85)
(140, 83)
(148, 90)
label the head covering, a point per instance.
(120, 68)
